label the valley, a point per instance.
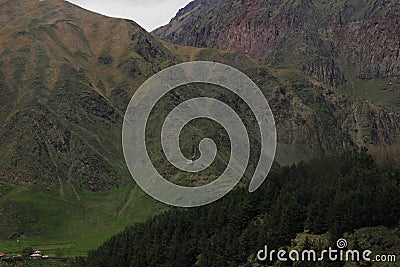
(67, 75)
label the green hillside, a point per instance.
(46, 221)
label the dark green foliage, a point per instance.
(334, 194)
(27, 251)
(105, 59)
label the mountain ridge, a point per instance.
(319, 36)
(58, 75)
(67, 76)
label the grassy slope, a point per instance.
(384, 92)
(74, 226)
(64, 85)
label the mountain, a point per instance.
(66, 77)
(312, 118)
(352, 46)
(336, 42)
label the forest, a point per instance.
(331, 195)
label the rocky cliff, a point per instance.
(325, 38)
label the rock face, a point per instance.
(325, 38)
(325, 70)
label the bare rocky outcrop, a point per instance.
(361, 35)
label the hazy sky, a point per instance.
(149, 14)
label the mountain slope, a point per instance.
(311, 118)
(331, 40)
(66, 77)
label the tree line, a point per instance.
(333, 194)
